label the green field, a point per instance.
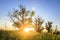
(12, 35)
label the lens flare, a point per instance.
(28, 29)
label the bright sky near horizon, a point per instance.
(49, 10)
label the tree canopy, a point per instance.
(22, 17)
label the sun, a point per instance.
(28, 29)
(27, 32)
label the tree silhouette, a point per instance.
(56, 31)
(38, 24)
(48, 26)
(22, 17)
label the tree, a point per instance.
(38, 24)
(22, 17)
(48, 26)
(56, 31)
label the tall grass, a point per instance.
(11, 35)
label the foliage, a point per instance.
(21, 17)
(49, 26)
(38, 24)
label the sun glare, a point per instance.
(28, 29)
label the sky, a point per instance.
(49, 10)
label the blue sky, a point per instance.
(49, 10)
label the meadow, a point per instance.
(12, 35)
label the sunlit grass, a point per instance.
(20, 35)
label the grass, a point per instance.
(14, 35)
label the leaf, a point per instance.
(32, 13)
